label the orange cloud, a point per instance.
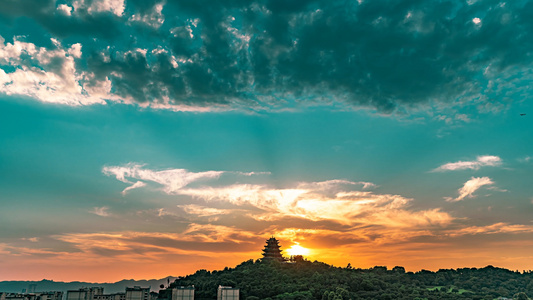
(349, 208)
(158, 254)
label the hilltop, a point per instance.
(274, 280)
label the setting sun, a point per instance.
(298, 250)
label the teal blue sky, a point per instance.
(154, 138)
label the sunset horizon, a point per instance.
(336, 260)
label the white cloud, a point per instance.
(259, 196)
(32, 239)
(114, 6)
(497, 189)
(350, 208)
(470, 187)
(137, 184)
(495, 228)
(154, 19)
(481, 161)
(525, 159)
(166, 105)
(251, 173)
(50, 76)
(333, 200)
(203, 211)
(75, 50)
(101, 211)
(65, 9)
(172, 180)
(98, 89)
(462, 117)
(335, 183)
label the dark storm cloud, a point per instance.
(380, 54)
(44, 12)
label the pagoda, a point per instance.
(272, 250)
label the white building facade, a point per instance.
(227, 293)
(137, 293)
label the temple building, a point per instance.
(272, 250)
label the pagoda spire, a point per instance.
(272, 250)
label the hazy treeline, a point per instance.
(50, 285)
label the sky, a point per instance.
(145, 138)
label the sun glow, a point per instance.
(298, 250)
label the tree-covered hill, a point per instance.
(316, 280)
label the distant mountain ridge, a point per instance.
(50, 285)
